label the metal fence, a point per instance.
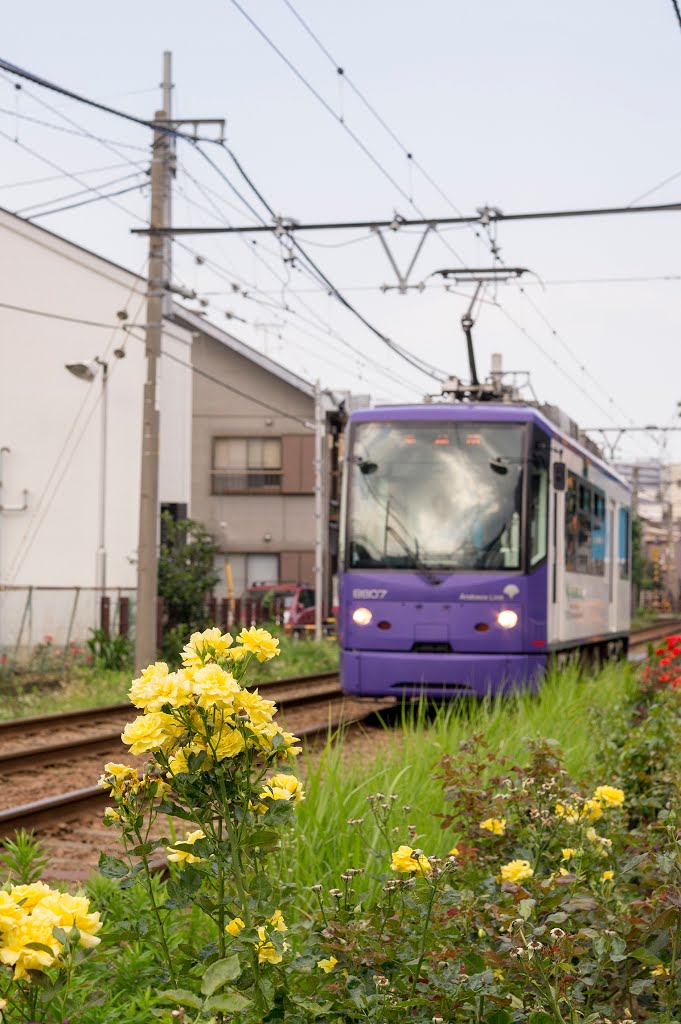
(32, 617)
(61, 617)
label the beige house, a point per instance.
(252, 482)
(236, 444)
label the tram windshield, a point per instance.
(431, 496)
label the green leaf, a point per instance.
(499, 1016)
(41, 947)
(219, 973)
(645, 957)
(112, 867)
(261, 837)
(227, 1002)
(525, 908)
(182, 996)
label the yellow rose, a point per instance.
(609, 796)
(184, 856)
(592, 810)
(265, 949)
(10, 911)
(30, 895)
(259, 642)
(259, 710)
(206, 646)
(158, 690)
(213, 687)
(73, 911)
(178, 762)
(235, 926)
(230, 744)
(277, 921)
(34, 927)
(497, 826)
(290, 740)
(112, 815)
(327, 965)
(516, 871)
(139, 686)
(151, 732)
(405, 860)
(283, 787)
(119, 772)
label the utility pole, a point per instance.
(318, 511)
(158, 279)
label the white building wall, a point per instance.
(50, 421)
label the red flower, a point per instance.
(660, 650)
(672, 641)
(88, 660)
(48, 638)
(76, 650)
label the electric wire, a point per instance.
(24, 183)
(421, 365)
(140, 186)
(67, 131)
(23, 210)
(67, 319)
(677, 11)
(14, 69)
(73, 177)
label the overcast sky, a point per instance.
(525, 106)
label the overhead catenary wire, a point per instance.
(25, 210)
(421, 365)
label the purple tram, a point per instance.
(476, 541)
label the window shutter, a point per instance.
(289, 567)
(307, 463)
(290, 464)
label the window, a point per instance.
(246, 464)
(539, 514)
(585, 527)
(623, 546)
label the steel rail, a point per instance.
(63, 806)
(80, 746)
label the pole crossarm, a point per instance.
(484, 216)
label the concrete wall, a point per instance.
(51, 423)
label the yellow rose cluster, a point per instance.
(28, 916)
(202, 710)
(265, 948)
(592, 809)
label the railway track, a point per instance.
(61, 815)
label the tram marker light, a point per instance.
(507, 619)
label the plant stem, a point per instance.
(672, 970)
(157, 913)
(424, 939)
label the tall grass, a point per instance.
(574, 710)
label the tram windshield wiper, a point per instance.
(424, 570)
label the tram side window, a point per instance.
(539, 514)
(571, 523)
(585, 527)
(623, 547)
(598, 534)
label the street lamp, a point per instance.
(88, 372)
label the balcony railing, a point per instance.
(245, 481)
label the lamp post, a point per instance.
(88, 372)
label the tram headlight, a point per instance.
(507, 619)
(362, 616)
